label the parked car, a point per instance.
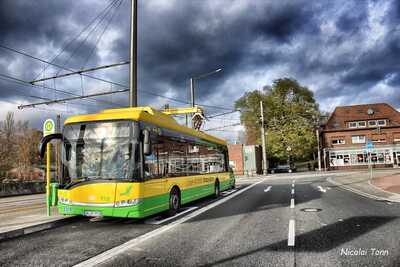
(283, 168)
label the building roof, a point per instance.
(344, 114)
(146, 114)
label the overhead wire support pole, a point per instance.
(69, 99)
(80, 72)
(133, 56)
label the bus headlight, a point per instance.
(127, 203)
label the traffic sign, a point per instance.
(369, 145)
(49, 127)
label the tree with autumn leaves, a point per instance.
(291, 115)
(18, 148)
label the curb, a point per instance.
(359, 192)
(36, 228)
(380, 189)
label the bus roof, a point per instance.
(146, 114)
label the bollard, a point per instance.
(54, 197)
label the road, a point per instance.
(258, 225)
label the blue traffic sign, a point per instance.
(369, 145)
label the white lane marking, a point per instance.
(225, 193)
(292, 203)
(155, 221)
(321, 189)
(292, 191)
(106, 255)
(292, 185)
(267, 189)
(291, 234)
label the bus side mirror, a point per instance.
(146, 143)
(45, 140)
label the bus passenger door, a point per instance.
(154, 187)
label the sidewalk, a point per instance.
(360, 183)
(27, 214)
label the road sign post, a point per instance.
(48, 128)
(369, 146)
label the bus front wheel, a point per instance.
(174, 201)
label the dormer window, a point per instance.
(361, 124)
(353, 124)
(381, 122)
(357, 124)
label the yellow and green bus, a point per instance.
(135, 162)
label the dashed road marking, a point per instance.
(292, 185)
(291, 234)
(292, 203)
(226, 193)
(156, 222)
(292, 191)
(267, 189)
(321, 189)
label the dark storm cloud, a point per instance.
(337, 48)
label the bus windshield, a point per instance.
(100, 150)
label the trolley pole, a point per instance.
(48, 177)
(264, 150)
(133, 56)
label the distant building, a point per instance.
(245, 159)
(350, 128)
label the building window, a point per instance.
(358, 139)
(361, 124)
(353, 124)
(382, 122)
(371, 123)
(338, 142)
(359, 157)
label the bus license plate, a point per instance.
(90, 213)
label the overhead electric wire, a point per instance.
(221, 127)
(222, 114)
(76, 37)
(49, 88)
(101, 35)
(22, 93)
(80, 44)
(69, 99)
(106, 81)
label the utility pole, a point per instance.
(133, 56)
(319, 150)
(191, 98)
(192, 91)
(264, 150)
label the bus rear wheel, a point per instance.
(174, 202)
(217, 189)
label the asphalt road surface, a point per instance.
(257, 225)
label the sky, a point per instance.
(345, 51)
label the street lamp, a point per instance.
(198, 78)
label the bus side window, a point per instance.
(150, 165)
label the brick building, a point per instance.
(236, 158)
(349, 128)
(245, 159)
